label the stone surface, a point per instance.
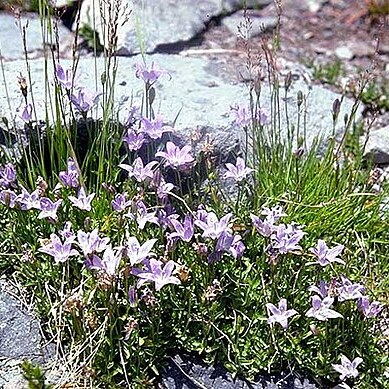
(157, 22)
(20, 338)
(377, 146)
(11, 41)
(187, 373)
(194, 93)
(260, 23)
(344, 52)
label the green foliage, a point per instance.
(328, 73)
(91, 38)
(376, 95)
(34, 375)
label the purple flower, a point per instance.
(265, 227)
(82, 201)
(244, 116)
(70, 176)
(133, 115)
(27, 113)
(142, 216)
(109, 263)
(65, 78)
(8, 198)
(139, 171)
(156, 271)
(349, 291)
(84, 101)
(49, 208)
(369, 308)
(136, 252)
(60, 251)
(7, 175)
(212, 227)
(67, 233)
(324, 255)
(148, 75)
(120, 202)
(230, 243)
(177, 158)
(347, 369)
(321, 309)
(183, 231)
(90, 242)
(134, 140)
(286, 239)
(239, 171)
(154, 128)
(281, 314)
(321, 290)
(28, 201)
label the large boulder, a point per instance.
(154, 23)
(193, 93)
(11, 37)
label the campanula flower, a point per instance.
(120, 203)
(176, 157)
(158, 272)
(139, 171)
(286, 239)
(109, 263)
(134, 140)
(325, 255)
(347, 368)
(321, 309)
(369, 308)
(82, 201)
(281, 314)
(28, 200)
(48, 208)
(183, 231)
(348, 290)
(84, 101)
(154, 128)
(64, 77)
(90, 242)
(148, 75)
(27, 113)
(7, 175)
(60, 251)
(70, 176)
(137, 252)
(8, 198)
(213, 227)
(239, 171)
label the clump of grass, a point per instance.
(285, 272)
(328, 73)
(378, 7)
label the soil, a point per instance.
(313, 38)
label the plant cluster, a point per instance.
(133, 248)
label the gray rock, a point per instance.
(156, 22)
(344, 52)
(20, 338)
(11, 41)
(377, 146)
(195, 92)
(260, 24)
(187, 373)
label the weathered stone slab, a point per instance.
(156, 22)
(193, 93)
(11, 36)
